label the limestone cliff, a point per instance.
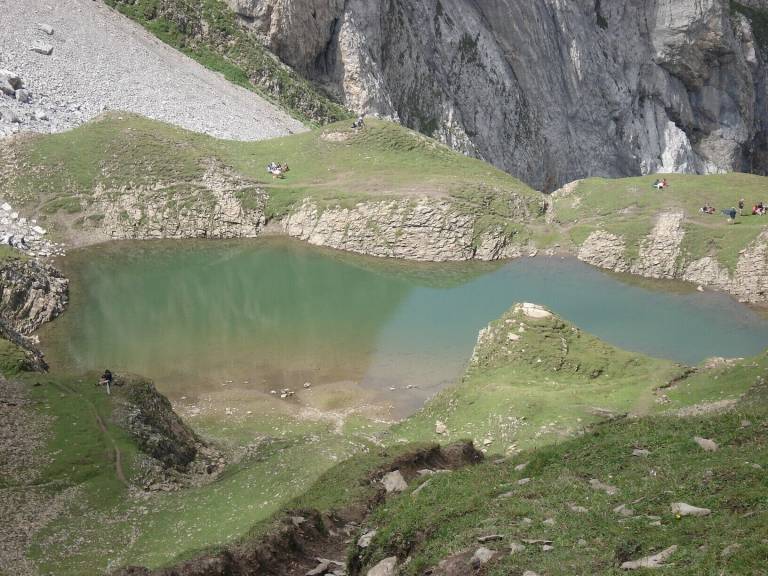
(31, 294)
(661, 255)
(550, 91)
(424, 229)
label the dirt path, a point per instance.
(116, 453)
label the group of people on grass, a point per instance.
(661, 184)
(277, 169)
(758, 209)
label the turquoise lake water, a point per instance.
(273, 313)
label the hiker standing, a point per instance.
(741, 206)
(106, 380)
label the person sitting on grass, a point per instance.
(359, 123)
(106, 380)
(707, 209)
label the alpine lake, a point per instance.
(235, 328)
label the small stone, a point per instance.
(729, 551)
(394, 482)
(440, 427)
(640, 452)
(706, 444)
(581, 542)
(487, 442)
(578, 509)
(530, 573)
(10, 116)
(547, 548)
(298, 520)
(746, 423)
(549, 522)
(41, 48)
(490, 538)
(320, 569)
(521, 467)
(623, 511)
(45, 28)
(523, 481)
(683, 509)
(655, 561)
(607, 488)
(23, 96)
(365, 540)
(482, 556)
(515, 548)
(384, 568)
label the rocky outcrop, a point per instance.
(425, 229)
(150, 419)
(31, 294)
(550, 91)
(750, 281)
(660, 251)
(222, 205)
(661, 256)
(604, 250)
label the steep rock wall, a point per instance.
(550, 91)
(661, 256)
(31, 294)
(424, 229)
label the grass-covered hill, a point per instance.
(57, 176)
(68, 180)
(571, 406)
(628, 208)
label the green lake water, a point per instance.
(272, 313)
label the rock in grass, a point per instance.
(578, 509)
(602, 487)
(683, 509)
(729, 551)
(655, 561)
(706, 444)
(365, 539)
(481, 556)
(523, 481)
(624, 511)
(384, 568)
(530, 573)
(394, 482)
(490, 538)
(642, 453)
(516, 548)
(40, 48)
(521, 467)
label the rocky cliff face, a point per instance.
(31, 294)
(424, 229)
(661, 256)
(221, 205)
(550, 91)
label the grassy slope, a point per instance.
(628, 206)
(448, 515)
(60, 172)
(208, 31)
(57, 175)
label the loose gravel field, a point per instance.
(103, 61)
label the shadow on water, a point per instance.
(273, 313)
